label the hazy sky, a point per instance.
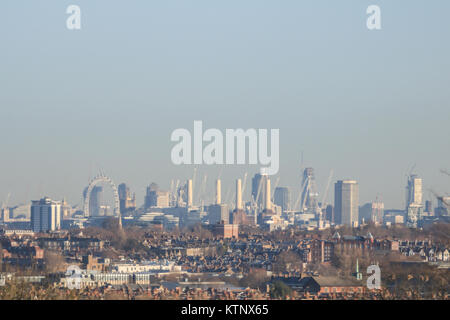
(368, 104)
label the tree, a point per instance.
(287, 261)
(54, 262)
(255, 279)
(280, 290)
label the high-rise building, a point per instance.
(95, 201)
(5, 214)
(346, 202)
(156, 198)
(282, 198)
(127, 200)
(310, 196)
(218, 213)
(429, 208)
(45, 215)
(65, 209)
(414, 205)
(329, 213)
(372, 212)
(443, 207)
(259, 192)
(414, 190)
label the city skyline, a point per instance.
(215, 156)
(207, 194)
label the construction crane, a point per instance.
(176, 194)
(201, 192)
(305, 190)
(193, 178)
(439, 197)
(244, 183)
(258, 193)
(274, 188)
(227, 197)
(326, 189)
(325, 194)
(302, 187)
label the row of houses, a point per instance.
(433, 254)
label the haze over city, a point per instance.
(367, 105)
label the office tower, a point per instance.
(218, 213)
(218, 191)
(127, 201)
(45, 215)
(259, 184)
(346, 193)
(150, 195)
(238, 194)
(414, 190)
(190, 195)
(429, 207)
(443, 207)
(282, 198)
(95, 201)
(329, 213)
(372, 212)
(5, 214)
(156, 198)
(65, 209)
(310, 196)
(414, 205)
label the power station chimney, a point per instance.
(189, 193)
(267, 197)
(218, 192)
(238, 194)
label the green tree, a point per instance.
(280, 290)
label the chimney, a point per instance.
(238, 194)
(218, 192)
(268, 200)
(189, 193)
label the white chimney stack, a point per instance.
(218, 192)
(268, 200)
(189, 194)
(238, 194)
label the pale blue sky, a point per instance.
(368, 104)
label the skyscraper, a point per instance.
(346, 202)
(414, 205)
(282, 198)
(259, 192)
(373, 211)
(95, 201)
(414, 190)
(218, 213)
(45, 215)
(156, 198)
(126, 199)
(310, 196)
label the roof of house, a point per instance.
(330, 281)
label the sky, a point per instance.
(368, 105)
